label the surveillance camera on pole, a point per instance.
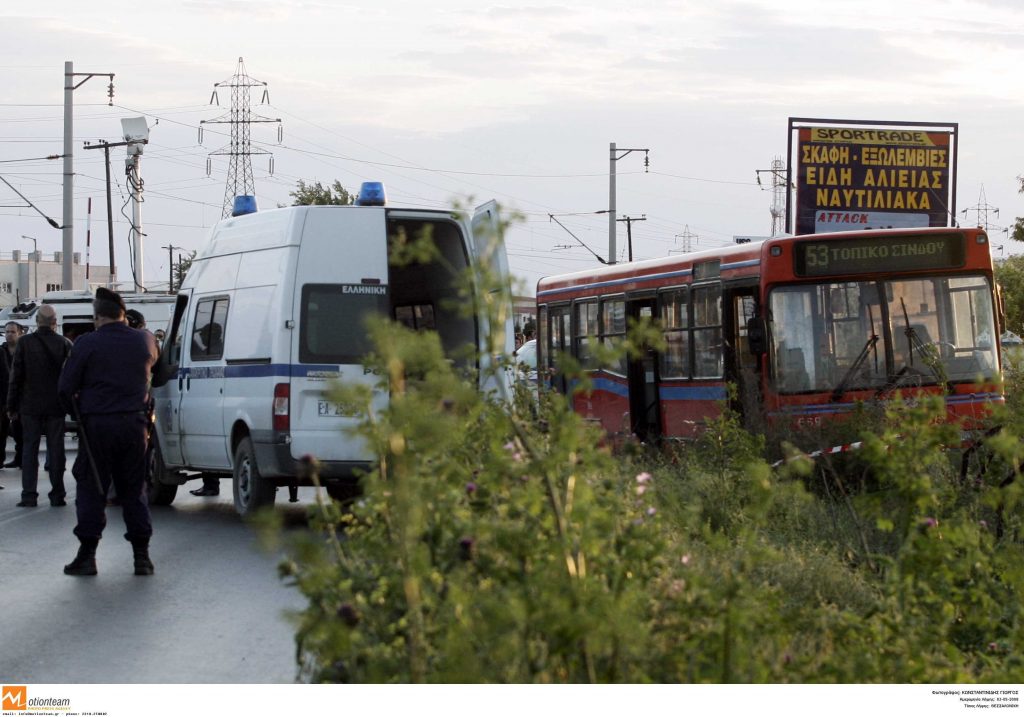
(136, 136)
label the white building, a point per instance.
(22, 277)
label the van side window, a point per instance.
(332, 322)
(208, 329)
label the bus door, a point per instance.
(559, 343)
(741, 366)
(642, 374)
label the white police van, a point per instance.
(272, 312)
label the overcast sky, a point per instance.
(453, 100)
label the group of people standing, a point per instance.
(102, 382)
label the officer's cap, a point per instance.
(108, 303)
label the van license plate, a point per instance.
(331, 409)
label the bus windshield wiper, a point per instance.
(928, 353)
(840, 388)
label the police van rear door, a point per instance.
(492, 270)
(341, 280)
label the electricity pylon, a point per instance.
(240, 117)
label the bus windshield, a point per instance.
(881, 333)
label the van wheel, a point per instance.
(160, 493)
(252, 491)
(344, 491)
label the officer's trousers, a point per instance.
(118, 445)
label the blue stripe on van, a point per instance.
(261, 370)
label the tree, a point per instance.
(1018, 227)
(316, 193)
(180, 269)
(1010, 276)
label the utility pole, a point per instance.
(614, 156)
(240, 181)
(629, 230)
(68, 236)
(982, 209)
(170, 266)
(105, 146)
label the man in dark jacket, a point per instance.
(12, 334)
(32, 399)
(105, 385)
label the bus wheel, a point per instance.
(252, 491)
(160, 493)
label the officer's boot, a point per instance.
(85, 562)
(143, 565)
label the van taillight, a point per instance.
(282, 412)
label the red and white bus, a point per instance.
(804, 326)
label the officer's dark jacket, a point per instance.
(38, 359)
(108, 370)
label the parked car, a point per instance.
(526, 363)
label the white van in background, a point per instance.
(272, 312)
(74, 310)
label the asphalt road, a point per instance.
(214, 612)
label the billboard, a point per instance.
(859, 175)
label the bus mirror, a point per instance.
(757, 335)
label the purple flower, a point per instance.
(929, 522)
(470, 488)
(466, 546)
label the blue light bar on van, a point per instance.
(244, 204)
(371, 194)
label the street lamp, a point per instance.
(35, 254)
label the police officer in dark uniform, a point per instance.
(105, 386)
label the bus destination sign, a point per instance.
(874, 254)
